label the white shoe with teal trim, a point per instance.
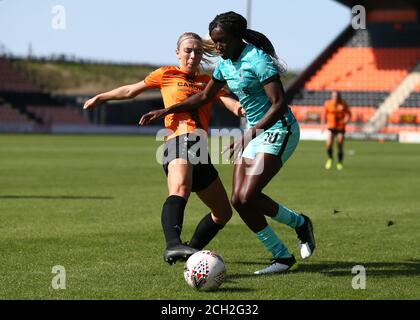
(279, 265)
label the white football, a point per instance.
(205, 270)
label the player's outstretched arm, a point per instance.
(233, 106)
(122, 93)
(192, 103)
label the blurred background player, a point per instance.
(249, 67)
(176, 83)
(336, 115)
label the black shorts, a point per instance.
(192, 148)
(337, 131)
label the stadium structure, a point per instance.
(376, 68)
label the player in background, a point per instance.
(176, 83)
(335, 117)
(249, 67)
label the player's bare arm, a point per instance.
(275, 93)
(189, 104)
(122, 93)
(233, 106)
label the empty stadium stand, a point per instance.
(367, 66)
(11, 120)
(24, 106)
(413, 100)
(10, 115)
(57, 115)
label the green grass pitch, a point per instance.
(92, 204)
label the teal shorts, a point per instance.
(280, 142)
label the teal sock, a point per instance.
(273, 244)
(289, 217)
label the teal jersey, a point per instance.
(245, 77)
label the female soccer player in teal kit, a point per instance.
(250, 69)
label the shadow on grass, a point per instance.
(55, 197)
(344, 268)
(341, 268)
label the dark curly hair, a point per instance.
(236, 24)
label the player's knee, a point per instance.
(235, 200)
(246, 198)
(223, 216)
(181, 190)
(241, 199)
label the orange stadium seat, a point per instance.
(405, 116)
(366, 69)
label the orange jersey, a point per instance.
(335, 113)
(175, 86)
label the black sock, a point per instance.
(330, 153)
(172, 219)
(340, 156)
(205, 231)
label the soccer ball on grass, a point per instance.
(205, 271)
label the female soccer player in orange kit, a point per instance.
(336, 115)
